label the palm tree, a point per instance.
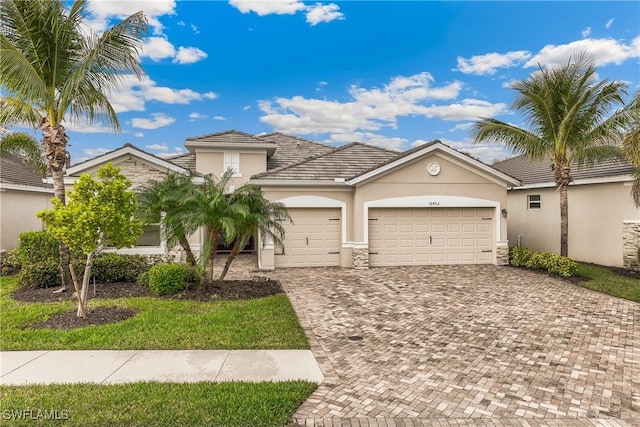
(571, 120)
(208, 205)
(258, 215)
(158, 198)
(53, 69)
(25, 146)
(631, 148)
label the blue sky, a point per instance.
(394, 74)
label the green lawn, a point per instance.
(607, 282)
(154, 404)
(265, 323)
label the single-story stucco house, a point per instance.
(604, 223)
(352, 206)
(22, 194)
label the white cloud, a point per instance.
(195, 116)
(609, 23)
(268, 7)
(605, 51)
(371, 109)
(219, 118)
(157, 48)
(83, 127)
(367, 138)
(246, 108)
(323, 13)
(487, 153)
(461, 126)
(189, 55)
(181, 24)
(105, 11)
(586, 32)
(156, 121)
(133, 94)
(90, 153)
(157, 147)
(490, 62)
(195, 29)
(176, 151)
(138, 134)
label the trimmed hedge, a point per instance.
(46, 274)
(111, 268)
(166, 279)
(556, 264)
(37, 246)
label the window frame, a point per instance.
(231, 160)
(531, 204)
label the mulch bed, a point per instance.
(225, 290)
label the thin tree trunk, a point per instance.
(213, 250)
(85, 284)
(564, 222)
(191, 259)
(65, 256)
(232, 255)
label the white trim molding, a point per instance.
(319, 202)
(584, 181)
(435, 202)
(19, 187)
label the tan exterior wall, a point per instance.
(251, 163)
(18, 213)
(596, 215)
(414, 180)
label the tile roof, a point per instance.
(187, 161)
(108, 153)
(346, 162)
(539, 172)
(292, 149)
(14, 170)
(227, 136)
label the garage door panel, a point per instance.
(408, 236)
(312, 240)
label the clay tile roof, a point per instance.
(228, 136)
(14, 170)
(346, 162)
(530, 172)
(292, 149)
(187, 161)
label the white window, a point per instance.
(534, 201)
(232, 161)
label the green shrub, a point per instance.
(166, 279)
(556, 264)
(191, 273)
(110, 267)
(143, 278)
(37, 246)
(10, 264)
(46, 274)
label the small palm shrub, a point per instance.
(166, 279)
(556, 264)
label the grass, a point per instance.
(610, 283)
(155, 404)
(163, 324)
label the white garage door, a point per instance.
(312, 240)
(426, 236)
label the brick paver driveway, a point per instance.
(466, 345)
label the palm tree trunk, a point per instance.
(191, 259)
(232, 255)
(213, 250)
(564, 222)
(65, 256)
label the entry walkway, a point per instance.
(124, 366)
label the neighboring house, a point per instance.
(22, 194)
(352, 206)
(604, 223)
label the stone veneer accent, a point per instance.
(360, 258)
(139, 172)
(502, 255)
(630, 244)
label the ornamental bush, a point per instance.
(37, 246)
(166, 279)
(556, 264)
(111, 267)
(46, 274)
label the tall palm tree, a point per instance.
(258, 216)
(631, 148)
(158, 198)
(23, 145)
(54, 69)
(208, 205)
(572, 119)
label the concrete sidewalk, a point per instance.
(124, 366)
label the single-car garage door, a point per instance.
(423, 236)
(312, 240)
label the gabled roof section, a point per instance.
(292, 149)
(124, 150)
(187, 161)
(17, 173)
(341, 163)
(428, 148)
(229, 139)
(540, 173)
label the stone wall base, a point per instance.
(630, 244)
(502, 255)
(360, 258)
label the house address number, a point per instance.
(433, 203)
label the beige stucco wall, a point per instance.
(18, 213)
(212, 162)
(596, 214)
(413, 179)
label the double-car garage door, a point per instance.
(423, 236)
(397, 236)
